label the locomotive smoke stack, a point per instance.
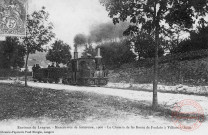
(75, 55)
(75, 52)
(98, 54)
(98, 58)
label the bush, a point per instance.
(131, 75)
(175, 72)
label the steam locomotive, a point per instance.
(86, 71)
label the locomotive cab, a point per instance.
(87, 71)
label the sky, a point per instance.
(71, 17)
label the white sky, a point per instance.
(71, 17)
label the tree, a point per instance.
(116, 54)
(198, 40)
(151, 15)
(60, 52)
(11, 53)
(39, 33)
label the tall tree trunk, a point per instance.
(26, 61)
(155, 81)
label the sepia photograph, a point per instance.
(107, 67)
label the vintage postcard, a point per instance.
(109, 67)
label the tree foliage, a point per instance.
(116, 54)
(198, 40)
(60, 52)
(143, 45)
(39, 31)
(11, 53)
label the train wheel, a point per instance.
(90, 82)
(57, 81)
(103, 82)
(50, 81)
(64, 81)
(69, 81)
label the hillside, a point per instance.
(193, 72)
